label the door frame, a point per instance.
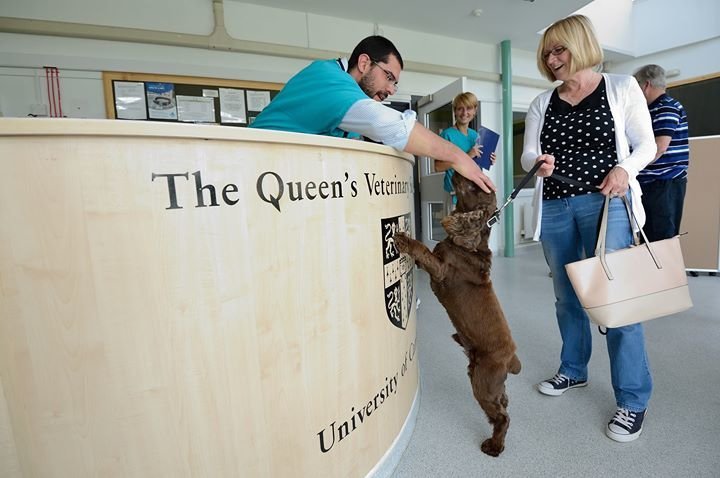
(431, 190)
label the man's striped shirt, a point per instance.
(668, 119)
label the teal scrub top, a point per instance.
(314, 101)
(463, 142)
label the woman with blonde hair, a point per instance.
(585, 130)
(465, 107)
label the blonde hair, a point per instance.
(467, 99)
(577, 35)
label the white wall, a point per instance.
(643, 27)
(698, 59)
(25, 55)
(663, 24)
(614, 24)
(23, 91)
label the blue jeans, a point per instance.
(568, 233)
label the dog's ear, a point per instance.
(466, 229)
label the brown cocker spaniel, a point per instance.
(459, 269)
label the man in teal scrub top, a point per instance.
(343, 97)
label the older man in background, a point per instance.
(664, 180)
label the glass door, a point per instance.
(435, 112)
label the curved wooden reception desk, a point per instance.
(182, 300)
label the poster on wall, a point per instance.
(161, 101)
(232, 106)
(195, 109)
(130, 100)
(257, 100)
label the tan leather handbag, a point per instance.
(632, 285)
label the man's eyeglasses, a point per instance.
(557, 51)
(388, 74)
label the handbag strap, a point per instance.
(600, 248)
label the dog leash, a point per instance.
(496, 215)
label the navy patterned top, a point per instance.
(669, 119)
(582, 139)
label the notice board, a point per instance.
(188, 99)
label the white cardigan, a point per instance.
(633, 127)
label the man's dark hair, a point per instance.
(378, 48)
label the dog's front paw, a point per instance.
(402, 242)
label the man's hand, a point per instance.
(472, 171)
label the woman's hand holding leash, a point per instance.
(546, 169)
